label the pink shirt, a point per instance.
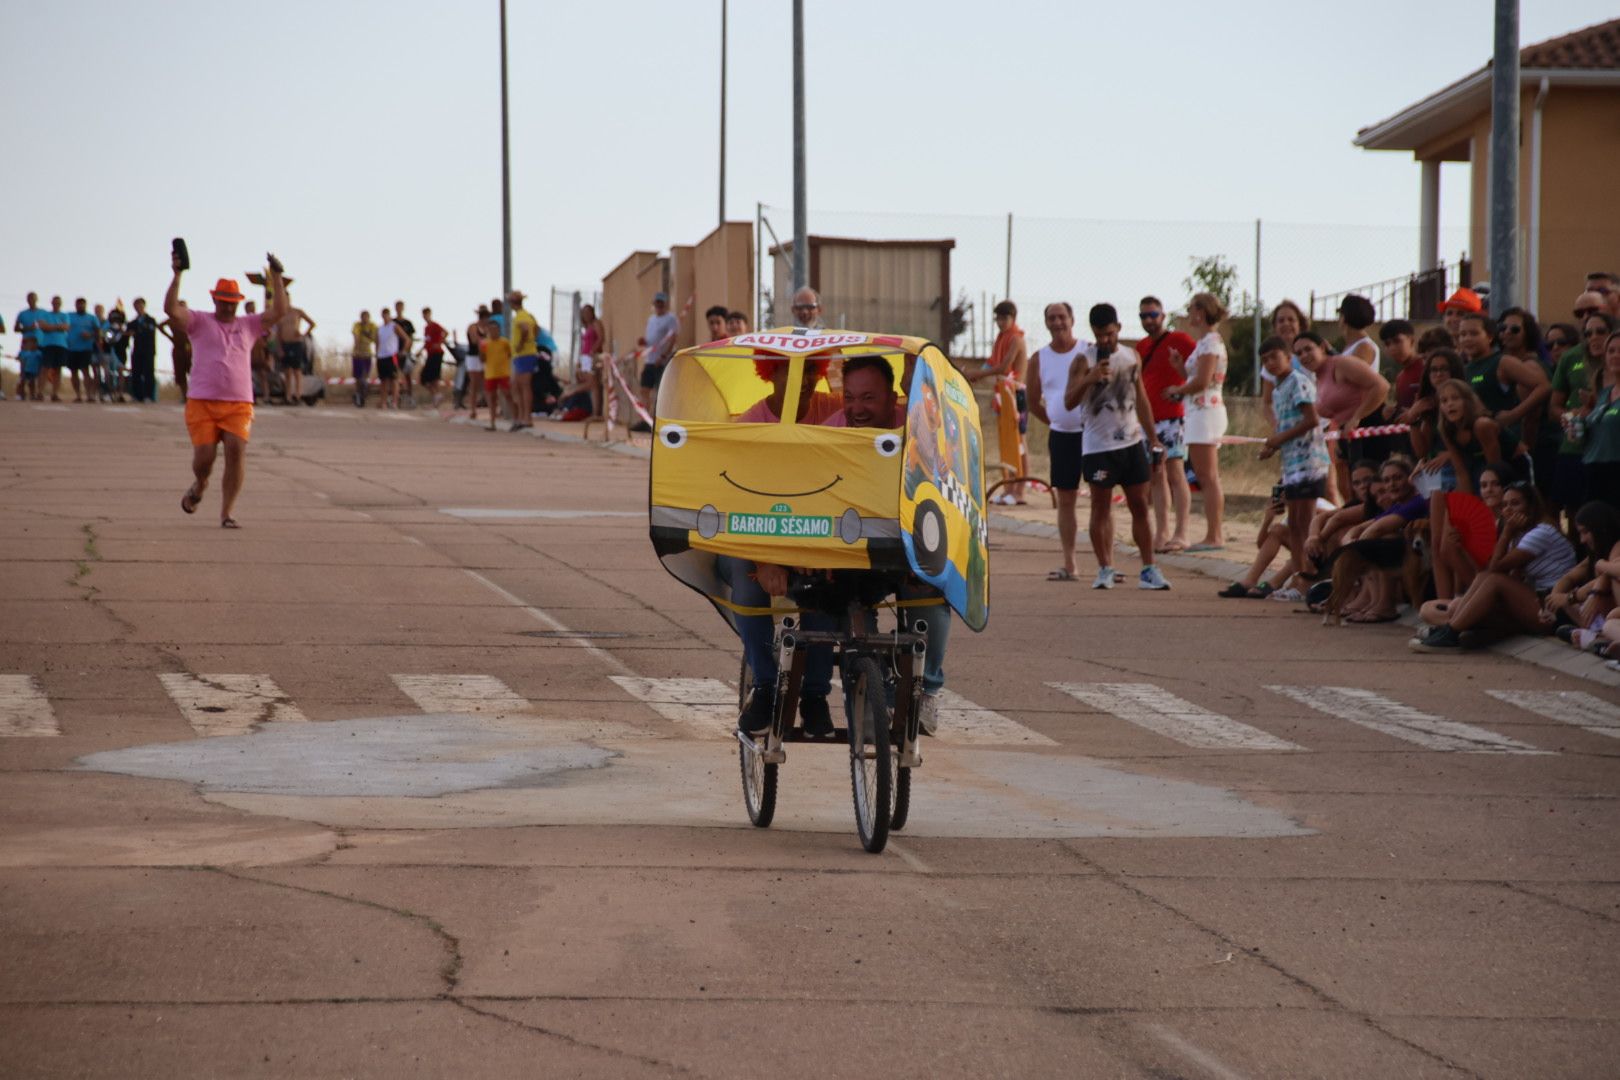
(822, 406)
(222, 356)
(1336, 400)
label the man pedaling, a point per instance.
(869, 400)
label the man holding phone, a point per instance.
(1106, 383)
(219, 404)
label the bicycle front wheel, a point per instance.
(758, 775)
(871, 761)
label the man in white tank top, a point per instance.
(1048, 375)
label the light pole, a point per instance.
(722, 112)
(1504, 176)
(801, 244)
(506, 173)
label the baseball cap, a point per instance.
(660, 297)
(1463, 300)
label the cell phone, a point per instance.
(178, 249)
(1276, 494)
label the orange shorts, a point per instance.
(208, 421)
(495, 386)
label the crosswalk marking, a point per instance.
(460, 693)
(229, 704)
(1163, 713)
(708, 705)
(1390, 717)
(1569, 706)
(24, 708)
(711, 706)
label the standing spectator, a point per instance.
(30, 323)
(365, 343)
(1008, 365)
(1443, 364)
(736, 323)
(29, 360)
(473, 364)
(433, 339)
(1462, 302)
(1513, 389)
(407, 344)
(1356, 313)
(1346, 391)
(1400, 345)
(1048, 379)
(1107, 385)
(99, 385)
(53, 340)
(117, 350)
(1206, 410)
(389, 343)
(525, 360)
(716, 318)
(1288, 319)
(142, 354)
(219, 408)
(289, 332)
(1602, 427)
(497, 350)
(1298, 436)
(84, 330)
(660, 341)
(1607, 285)
(1472, 439)
(1571, 380)
(592, 344)
(1164, 355)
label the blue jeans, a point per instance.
(758, 632)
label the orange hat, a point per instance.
(1463, 300)
(227, 290)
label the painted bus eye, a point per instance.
(673, 436)
(888, 444)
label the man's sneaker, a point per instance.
(756, 715)
(1105, 578)
(1439, 639)
(815, 717)
(928, 713)
(1152, 577)
(1289, 595)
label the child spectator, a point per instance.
(1462, 530)
(1299, 437)
(1400, 345)
(1442, 365)
(497, 356)
(1530, 559)
(1471, 438)
(1380, 545)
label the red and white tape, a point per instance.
(1331, 436)
(618, 381)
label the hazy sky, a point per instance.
(360, 138)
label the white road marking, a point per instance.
(229, 704)
(1569, 706)
(460, 693)
(25, 711)
(550, 620)
(495, 513)
(1390, 717)
(962, 723)
(908, 858)
(708, 705)
(1193, 1053)
(414, 540)
(1163, 713)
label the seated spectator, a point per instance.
(1472, 439)
(1509, 596)
(1596, 578)
(1273, 539)
(1443, 365)
(1375, 551)
(1462, 530)
(1328, 528)
(1601, 421)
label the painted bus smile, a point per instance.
(779, 494)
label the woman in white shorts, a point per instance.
(1206, 410)
(475, 363)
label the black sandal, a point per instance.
(189, 501)
(1235, 591)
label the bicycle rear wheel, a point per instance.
(758, 775)
(871, 762)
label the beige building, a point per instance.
(1568, 162)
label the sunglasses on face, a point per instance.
(805, 307)
(1556, 343)
(1150, 316)
(1581, 313)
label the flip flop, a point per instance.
(1174, 547)
(1205, 547)
(1235, 591)
(228, 523)
(189, 501)
(1365, 620)
(1061, 574)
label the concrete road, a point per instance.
(424, 772)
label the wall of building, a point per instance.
(725, 269)
(683, 293)
(889, 286)
(1580, 227)
(627, 292)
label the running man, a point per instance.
(219, 406)
(1107, 384)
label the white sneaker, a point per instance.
(1152, 577)
(1288, 596)
(928, 713)
(1105, 578)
